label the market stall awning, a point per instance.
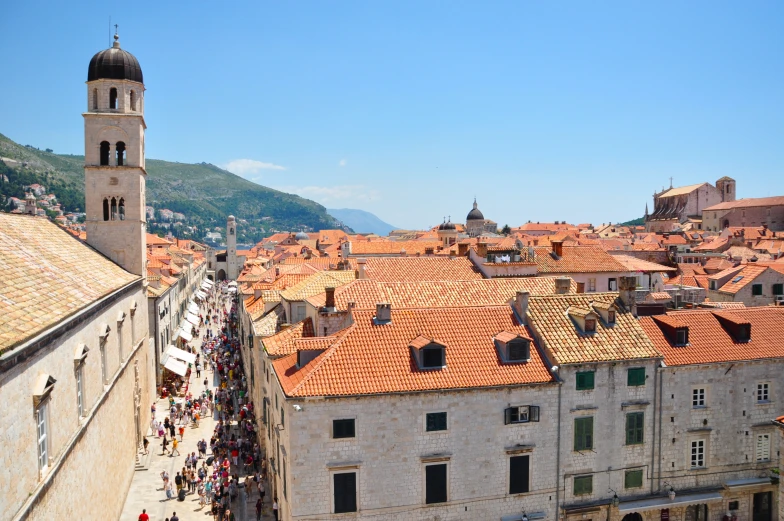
(193, 319)
(232, 283)
(185, 335)
(181, 354)
(665, 502)
(208, 282)
(201, 295)
(193, 308)
(176, 366)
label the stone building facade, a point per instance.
(674, 206)
(761, 211)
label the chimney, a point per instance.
(428, 251)
(557, 248)
(521, 305)
(361, 268)
(330, 302)
(462, 249)
(481, 249)
(628, 293)
(383, 313)
(351, 305)
(562, 285)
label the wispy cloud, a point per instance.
(327, 194)
(342, 162)
(250, 167)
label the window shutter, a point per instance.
(763, 447)
(589, 433)
(533, 413)
(507, 416)
(435, 484)
(519, 468)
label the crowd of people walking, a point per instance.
(232, 459)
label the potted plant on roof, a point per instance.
(775, 474)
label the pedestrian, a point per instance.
(261, 490)
(178, 482)
(198, 370)
(182, 432)
(174, 446)
(146, 443)
(168, 488)
(259, 505)
(229, 516)
(165, 445)
(275, 509)
(143, 516)
(174, 517)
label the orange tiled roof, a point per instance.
(315, 284)
(569, 345)
(710, 342)
(577, 259)
(686, 268)
(283, 343)
(359, 248)
(431, 294)
(47, 277)
(747, 274)
(635, 264)
(375, 359)
(411, 269)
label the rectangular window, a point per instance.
(104, 372)
(435, 421)
(585, 380)
(432, 357)
(521, 414)
(79, 391)
(435, 483)
(632, 479)
(43, 436)
(518, 351)
(591, 284)
(763, 392)
(583, 485)
(698, 398)
(778, 289)
(756, 289)
(583, 433)
(519, 474)
(634, 428)
(635, 377)
(343, 428)
(345, 492)
(698, 454)
(282, 417)
(612, 284)
(283, 475)
(762, 451)
(681, 337)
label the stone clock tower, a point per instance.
(232, 265)
(114, 172)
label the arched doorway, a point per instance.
(632, 517)
(211, 277)
(221, 275)
(726, 223)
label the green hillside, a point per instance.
(203, 192)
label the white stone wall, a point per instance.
(97, 449)
(768, 278)
(391, 441)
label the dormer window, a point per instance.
(681, 336)
(590, 325)
(611, 316)
(512, 347)
(585, 319)
(428, 354)
(744, 333)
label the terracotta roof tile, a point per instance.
(315, 284)
(412, 269)
(431, 294)
(283, 343)
(710, 342)
(577, 259)
(375, 359)
(625, 340)
(386, 247)
(635, 264)
(47, 277)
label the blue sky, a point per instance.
(544, 111)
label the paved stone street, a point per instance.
(146, 490)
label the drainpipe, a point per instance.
(558, 459)
(661, 388)
(655, 401)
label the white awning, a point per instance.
(748, 482)
(183, 355)
(193, 319)
(176, 366)
(665, 502)
(206, 287)
(201, 295)
(208, 282)
(193, 308)
(183, 334)
(232, 283)
(232, 290)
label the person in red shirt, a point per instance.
(143, 516)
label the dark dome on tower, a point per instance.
(446, 225)
(475, 214)
(115, 64)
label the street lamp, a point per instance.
(615, 501)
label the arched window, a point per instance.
(133, 100)
(120, 147)
(105, 209)
(122, 209)
(95, 99)
(104, 153)
(114, 209)
(113, 98)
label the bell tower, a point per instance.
(114, 171)
(232, 268)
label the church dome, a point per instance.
(446, 225)
(302, 236)
(475, 214)
(115, 64)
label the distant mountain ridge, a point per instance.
(361, 221)
(206, 194)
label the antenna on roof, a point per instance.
(670, 182)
